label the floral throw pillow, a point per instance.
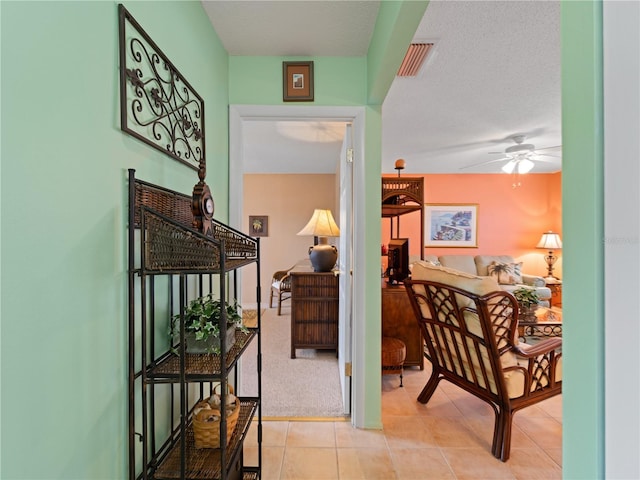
(506, 273)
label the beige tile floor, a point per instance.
(449, 438)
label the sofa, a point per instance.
(506, 271)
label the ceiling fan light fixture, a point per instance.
(509, 166)
(525, 165)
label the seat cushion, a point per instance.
(462, 263)
(455, 278)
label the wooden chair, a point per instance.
(280, 287)
(470, 328)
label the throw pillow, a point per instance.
(506, 273)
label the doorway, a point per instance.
(239, 118)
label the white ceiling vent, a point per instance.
(414, 59)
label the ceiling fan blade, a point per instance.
(549, 148)
(535, 158)
(547, 155)
(485, 163)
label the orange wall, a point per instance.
(510, 220)
(288, 200)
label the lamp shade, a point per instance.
(323, 256)
(321, 224)
(550, 241)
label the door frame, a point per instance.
(356, 116)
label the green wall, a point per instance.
(63, 211)
(583, 246)
(258, 80)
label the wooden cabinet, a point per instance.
(314, 311)
(398, 321)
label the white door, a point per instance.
(345, 264)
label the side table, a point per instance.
(547, 324)
(556, 293)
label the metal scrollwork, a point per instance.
(157, 104)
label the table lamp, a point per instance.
(550, 241)
(323, 256)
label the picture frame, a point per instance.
(258, 225)
(297, 81)
(451, 225)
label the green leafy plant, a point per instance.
(202, 318)
(526, 297)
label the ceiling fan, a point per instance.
(520, 157)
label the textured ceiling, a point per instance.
(494, 73)
(294, 28)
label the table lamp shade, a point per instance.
(550, 241)
(322, 225)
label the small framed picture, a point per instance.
(297, 81)
(258, 225)
(451, 225)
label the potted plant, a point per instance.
(202, 325)
(528, 301)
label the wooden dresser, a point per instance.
(314, 311)
(399, 322)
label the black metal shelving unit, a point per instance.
(170, 263)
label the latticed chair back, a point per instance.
(471, 340)
(459, 339)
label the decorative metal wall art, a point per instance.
(157, 104)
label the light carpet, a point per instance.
(307, 386)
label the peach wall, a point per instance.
(288, 200)
(510, 220)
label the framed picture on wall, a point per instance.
(297, 81)
(258, 225)
(451, 225)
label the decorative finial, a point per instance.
(400, 164)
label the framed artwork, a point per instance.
(297, 81)
(258, 225)
(451, 225)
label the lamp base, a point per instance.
(323, 256)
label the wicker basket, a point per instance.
(206, 424)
